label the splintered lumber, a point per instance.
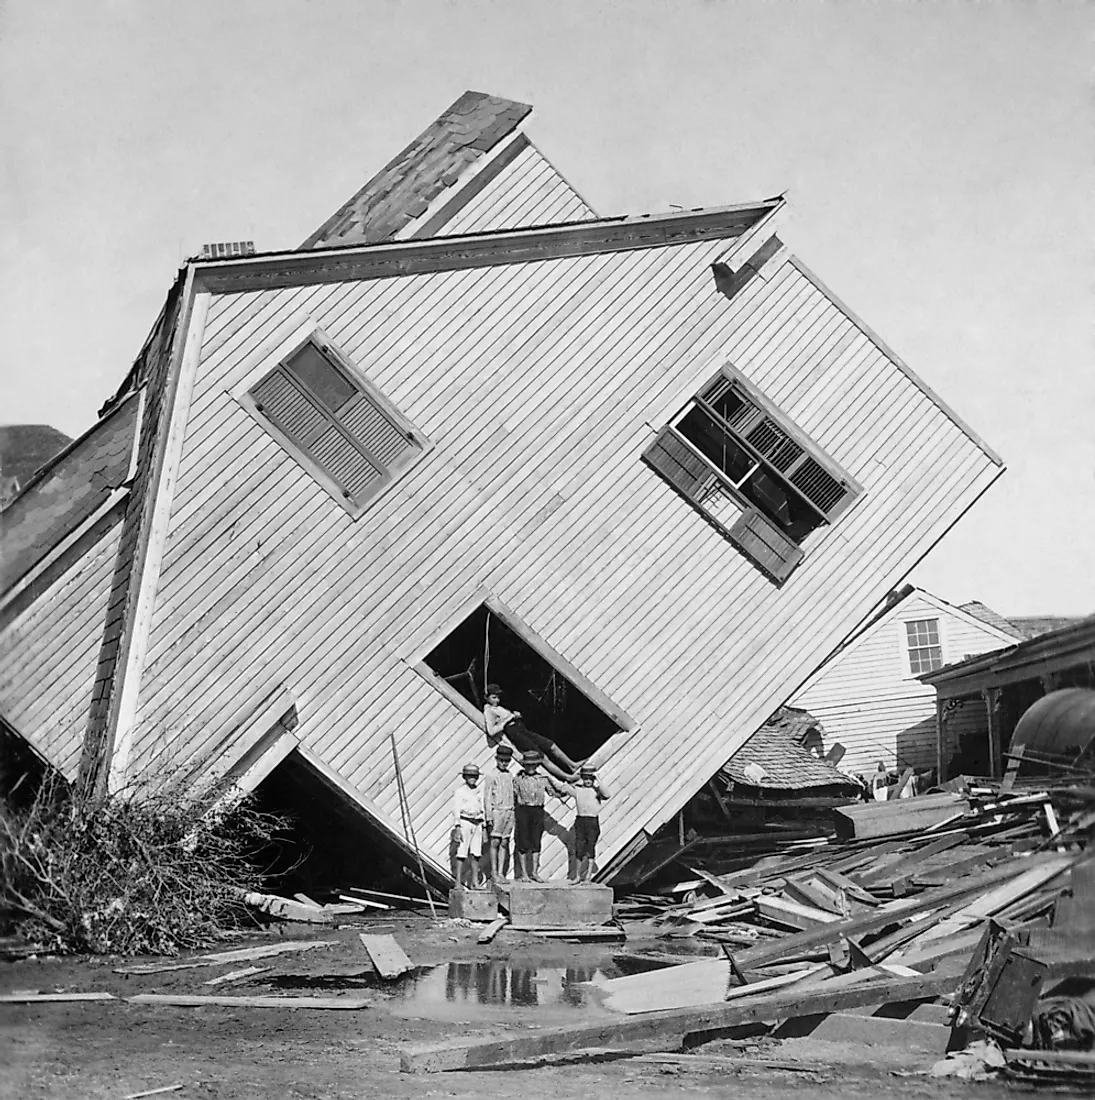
(237, 955)
(792, 914)
(492, 930)
(152, 1092)
(237, 975)
(387, 956)
(285, 909)
(57, 998)
(200, 1000)
(668, 1028)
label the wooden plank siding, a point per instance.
(538, 386)
(527, 192)
(48, 656)
(869, 701)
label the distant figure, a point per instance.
(588, 794)
(530, 788)
(880, 783)
(498, 813)
(500, 721)
(467, 812)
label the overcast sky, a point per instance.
(937, 158)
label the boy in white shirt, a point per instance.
(467, 813)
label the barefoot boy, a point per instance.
(530, 787)
(500, 720)
(588, 794)
(467, 812)
(498, 812)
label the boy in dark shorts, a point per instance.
(501, 721)
(530, 787)
(588, 794)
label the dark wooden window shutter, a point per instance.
(765, 544)
(336, 422)
(689, 474)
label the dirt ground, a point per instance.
(110, 1050)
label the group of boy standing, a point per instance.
(509, 806)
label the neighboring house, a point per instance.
(24, 450)
(647, 470)
(980, 701)
(868, 697)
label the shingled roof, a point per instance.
(440, 156)
(986, 614)
(777, 749)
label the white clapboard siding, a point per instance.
(528, 191)
(538, 385)
(868, 700)
(49, 653)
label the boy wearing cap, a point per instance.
(498, 813)
(588, 794)
(467, 812)
(500, 720)
(530, 787)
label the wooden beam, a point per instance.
(197, 1001)
(388, 957)
(668, 1028)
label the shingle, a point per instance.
(777, 748)
(404, 188)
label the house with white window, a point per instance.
(868, 697)
(647, 472)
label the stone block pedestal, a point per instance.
(473, 904)
(555, 905)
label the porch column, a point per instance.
(940, 742)
(992, 705)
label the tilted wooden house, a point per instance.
(868, 696)
(647, 470)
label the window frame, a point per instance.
(906, 648)
(626, 726)
(277, 358)
(754, 528)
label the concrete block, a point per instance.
(548, 905)
(473, 904)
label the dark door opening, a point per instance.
(485, 649)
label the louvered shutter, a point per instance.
(775, 441)
(372, 428)
(310, 427)
(765, 545)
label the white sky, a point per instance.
(937, 157)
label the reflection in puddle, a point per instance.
(500, 983)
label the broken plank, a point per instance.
(670, 1027)
(492, 930)
(285, 909)
(710, 879)
(266, 950)
(237, 975)
(362, 903)
(57, 998)
(589, 934)
(792, 914)
(199, 1000)
(811, 893)
(304, 899)
(387, 956)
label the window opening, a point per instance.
(484, 649)
(925, 650)
(731, 453)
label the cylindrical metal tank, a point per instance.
(1060, 726)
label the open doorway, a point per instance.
(490, 646)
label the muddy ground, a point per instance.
(520, 981)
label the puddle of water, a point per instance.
(501, 983)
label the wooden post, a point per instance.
(940, 742)
(996, 751)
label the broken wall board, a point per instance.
(198, 1001)
(388, 957)
(669, 1028)
(285, 909)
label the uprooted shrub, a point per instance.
(134, 874)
